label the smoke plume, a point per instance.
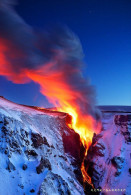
(52, 58)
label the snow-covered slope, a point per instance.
(109, 157)
(39, 154)
(33, 156)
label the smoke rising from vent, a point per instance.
(52, 58)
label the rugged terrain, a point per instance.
(37, 151)
(109, 157)
(41, 155)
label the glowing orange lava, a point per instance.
(55, 86)
(63, 97)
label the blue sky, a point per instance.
(104, 28)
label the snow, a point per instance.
(21, 120)
(18, 122)
(118, 147)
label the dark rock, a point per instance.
(4, 130)
(46, 142)
(44, 163)
(32, 190)
(37, 140)
(21, 186)
(52, 147)
(97, 149)
(122, 119)
(27, 142)
(117, 162)
(78, 173)
(24, 167)
(96, 138)
(117, 173)
(31, 153)
(6, 151)
(10, 166)
(127, 136)
(26, 133)
(5, 122)
(73, 145)
(63, 157)
(14, 144)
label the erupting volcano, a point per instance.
(66, 98)
(62, 83)
(62, 143)
(52, 59)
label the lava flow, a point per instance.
(85, 129)
(54, 61)
(58, 92)
(66, 89)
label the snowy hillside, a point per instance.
(109, 157)
(32, 153)
(41, 155)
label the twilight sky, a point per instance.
(104, 29)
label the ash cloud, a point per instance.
(33, 49)
(19, 36)
(28, 50)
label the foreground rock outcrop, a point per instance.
(39, 154)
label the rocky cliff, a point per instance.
(109, 157)
(41, 155)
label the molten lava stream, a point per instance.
(86, 177)
(84, 125)
(67, 97)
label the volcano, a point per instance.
(40, 154)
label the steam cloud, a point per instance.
(56, 52)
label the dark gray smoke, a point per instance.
(27, 49)
(20, 37)
(34, 49)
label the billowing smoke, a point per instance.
(52, 58)
(17, 43)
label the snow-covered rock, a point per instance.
(39, 154)
(109, 157)
(34, 157)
